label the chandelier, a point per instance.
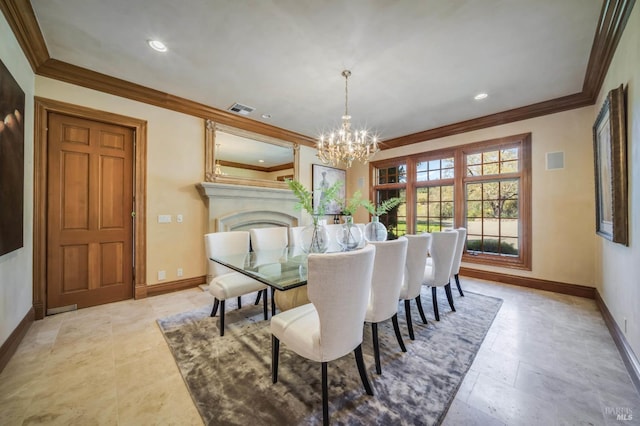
(345, 145)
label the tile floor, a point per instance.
(548, 359)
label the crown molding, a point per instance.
(21, 18)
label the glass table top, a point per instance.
(281, 269)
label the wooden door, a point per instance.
(89, 223)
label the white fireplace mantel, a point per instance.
(241, 207)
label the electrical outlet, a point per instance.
(179, 272)
(179, 218)
(162, 275)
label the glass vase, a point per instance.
(315, 237)
(349, 236)
(375, 231)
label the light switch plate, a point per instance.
(164, 218)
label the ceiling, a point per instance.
(416, 65)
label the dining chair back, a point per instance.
(457, 258)
(331, 325)
(388, 271)
(295, 236)
(272, 238)
(226, 283)
(417, 248)
(438, 273)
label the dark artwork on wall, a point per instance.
(11, 162)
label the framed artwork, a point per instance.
(322, 178)
(11, 162)
(610, 154)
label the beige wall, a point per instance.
(175, 163)
(563, 200)
(16, 290)
(618, 267)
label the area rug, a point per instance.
(229, 377)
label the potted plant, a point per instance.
(374, 230)
(315, 238)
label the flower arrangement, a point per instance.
(382, 208)
(305, 197)
(349, 207)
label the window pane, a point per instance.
(509, 154)
(434, 210)
(447, 209)
(447, 173)
(474, 170)
(474, 229)
(396, 219)
(509, 227)
(490, 191)
(447, 193)
(490, 157)
(474, 159)
(491, 227)
(509, 246)
(447, 163)
(510, 209)
(434, 193)
(474, 191)
(434, 165)
(491, 169)
(474, 209)
(509, 167)
(434, 175)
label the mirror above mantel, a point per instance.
(239, 157)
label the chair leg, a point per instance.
(275, 355)
(222, 317)
(362, 370)
(239, 302)
(458, 284)
(258, 298)
(407, 311)
(419, 303)
(434, 296)
(396, 328)
(216, 302)
(264, 303)
(447, 289)
(273, 301)
(325, 396)
(376, 346)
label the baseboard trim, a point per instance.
(554, 286)
(171, 286)
(628, 357)
(10, 346)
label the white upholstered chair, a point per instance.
(417, 248)
(457, 259)
(331, 325)
(270, 238)
(226, 283)
(438, 273)
(388, 271)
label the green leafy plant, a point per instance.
(305, 197)
(349, 208)
(382, 208)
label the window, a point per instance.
(484, 187)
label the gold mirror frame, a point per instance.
(212, 127)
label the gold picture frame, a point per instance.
(610, 155)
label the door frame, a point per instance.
(42, 109)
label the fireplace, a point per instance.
(238, 207)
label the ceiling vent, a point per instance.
(241, 109)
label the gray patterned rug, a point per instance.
(230, 377)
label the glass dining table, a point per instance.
(282, 269)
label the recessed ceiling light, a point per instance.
(157, 45)
(480, 96)
(266, 115)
